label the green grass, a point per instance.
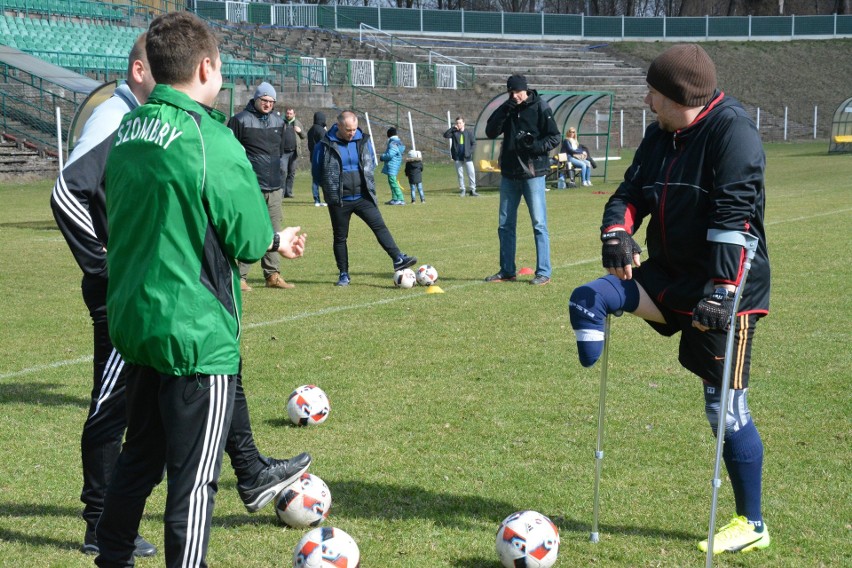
(451, 411)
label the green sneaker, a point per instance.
(737, 536)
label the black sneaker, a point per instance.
(540, 280)
(499, 277)
(404, 261)
(277, 475)
(144, 549)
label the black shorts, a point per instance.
(703, 352)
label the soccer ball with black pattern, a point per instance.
(426, 275)
(527, 539)
(326, 547)
(404, 278)
(304, 503)
(308, 405)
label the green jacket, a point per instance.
(182, 204)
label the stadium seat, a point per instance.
(488, 166)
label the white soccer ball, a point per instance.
(426, 275)
(404, 278)
(304, 503)
(308, 406)
(527, 538)
(326, 547)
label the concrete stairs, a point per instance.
(19, 157)
(548, 65)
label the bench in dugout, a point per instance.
(560, 167)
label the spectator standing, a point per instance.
(263, 135)
(462, 149)
(293, 132)
(315, 134)
(342, 164)
(529, 133)
(181, 206)
(698, 170)
(414, 173)
(392, 158)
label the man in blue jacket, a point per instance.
(342, 164)
(699, 170)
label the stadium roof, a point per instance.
(47, 71)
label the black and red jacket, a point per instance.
(709, 175)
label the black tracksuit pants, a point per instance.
(180, 423)
(369, 212)
(103, 431)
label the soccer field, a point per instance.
(451, 411)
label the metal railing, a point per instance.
(542, 24)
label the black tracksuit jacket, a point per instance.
(709, 175)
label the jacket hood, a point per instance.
(253, 109)
(332, 134)
(319, 118)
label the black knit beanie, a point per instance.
(516, 83)
(685, 74)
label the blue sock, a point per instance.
(743, 455)
(589, 306)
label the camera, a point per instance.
(524, 139)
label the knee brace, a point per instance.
(588, 308)
(737, 416)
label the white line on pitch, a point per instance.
(334, 310)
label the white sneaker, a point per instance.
(317, 204)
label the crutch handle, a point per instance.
(741, 238)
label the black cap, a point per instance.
(516, 83)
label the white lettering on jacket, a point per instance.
(148, 130)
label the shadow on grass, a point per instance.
(32, 225)
(39, 540)
(358, 499)
(35, 393)
(477, 562)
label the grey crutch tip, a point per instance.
(594, 538)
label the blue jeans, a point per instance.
(315, 191)
(532, 191)
(585, 167)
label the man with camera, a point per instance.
(529, 133)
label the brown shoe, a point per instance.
(275, 281)
(244, 286)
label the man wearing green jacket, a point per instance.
(183, 205)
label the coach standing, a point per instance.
(182, 204)
(699, 170)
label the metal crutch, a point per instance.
(599, 454)
(749, 243)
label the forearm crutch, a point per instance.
(599, 454)
(749, 243)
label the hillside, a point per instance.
(772, 75)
